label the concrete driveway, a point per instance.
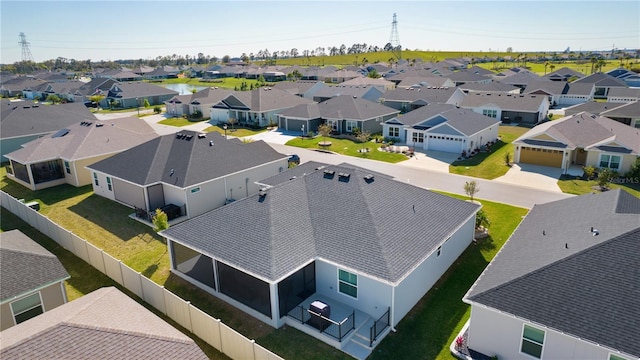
(430, 160)
(533, 176)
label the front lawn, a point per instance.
(235, 132)
(490, 165)
(348, 147)
(179, 121)
(577, 186)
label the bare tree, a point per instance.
(471, 188)
(324, 130)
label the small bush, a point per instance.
(157, 109)
(589, 172)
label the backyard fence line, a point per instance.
(209, 329)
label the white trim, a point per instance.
(13, 314)
(522, 339)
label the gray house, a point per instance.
(132, 94)
(409, 99)
(329, 250)
(32, 280)
(565, 285)
(104, 324)
(526, 109)
(185, 174)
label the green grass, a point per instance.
(432, 325)
(576, 186)
(105, 224)
(236, 131)
(179, 121)
(490, 165)
(348, 147)
(227, 83)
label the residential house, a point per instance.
(258, 107)
(61, 158)
(593, 107)
(340, 76)
(141, 70)
(328, 253)
(423, 81)
(466, 77)
(603, 84)
(304, 118)
(367, 92)
(198, 102)
(629, 77)
(186, 174)
(96, 86)
(119, 75)
(526, 109)
(443, 127)
(623, 95)
(128, 95)
(32, 280)
(490, 88)
(161, 72)
(317, 73)
(68, 91)
(628, 114)
(104, 324)
(16, 86)
(551, 89)
(565, 284)
(564, 74)
(302, 88)
(23, 121)
(583, 139)
(380, 83)
(410, 99)
(520, 79)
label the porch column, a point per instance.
(275, 304)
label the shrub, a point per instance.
(160, 220)
(471, 188)
(589, 172)
(157, 109)
(507, 158)
(634, 171)
(604, 177)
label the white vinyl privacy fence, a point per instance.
(207, 328)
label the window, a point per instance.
(394, 132)
(333, 124)
(27, 307)
(532, 341)
(67, 167)
(351, 125)
(616, 357)
(490, 113)
(109, 184)
(610, 161)
(439, 251)
(195, 190)
(348, 283)
(95, 179)
(418, 137)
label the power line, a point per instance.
(26, 53)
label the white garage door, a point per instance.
(445, 143)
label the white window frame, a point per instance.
(95, 179)
(490, 113)
(616, 357)
(394, 131)
(333, 124)
(609, 161)
(67, 167)
(351, 125)
(417, 137)
(109, 185)
(523, 339)
(40, 304)
(348, 283)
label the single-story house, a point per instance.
(443, 127)
(628, 114)
(61, 158)
(104, 324)
(494, 87)
(368, 92)
(340, 76)
(583, 139)
(32, 280)
(519, 79)
(302, 88)
(424, 82)
(526, 109)
(411, 98)
(186, 174)
(97, 86)
(629, 77)
(119, 75)
(380, 83)
(317, 73)
(564, 74)
(200, 101)
(603, 84)
(333, 250)
(467, 77)
(26, 120)
(565, 284)
(258, 107)
(344, 113)
(624, 95)
(132, 95)
(16, 86)
(552, 89)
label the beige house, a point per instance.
(61, 158)
(32, 279)
(582, 139)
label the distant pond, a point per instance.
(183, 89)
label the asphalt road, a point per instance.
(521, 196)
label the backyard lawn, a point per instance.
(426, 331)
(235, 132)
(490, 165)
(348, 147)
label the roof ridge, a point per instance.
(110, 330)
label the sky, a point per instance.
(115, 29)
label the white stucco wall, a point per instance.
(495, 333)
(102, 189)
(374, 297)
(416, 285)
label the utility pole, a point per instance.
(394, 39)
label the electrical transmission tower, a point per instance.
(394, 39)
(26, 53)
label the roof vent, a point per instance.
(99, 125)
(262, 192)
(595, 232)
(344, 177)
(328, 174)
(202, 136)
(171, 172)
(189, 137)
(179, 136)
(368, 178)
(211, 143)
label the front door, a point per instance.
(581, 157)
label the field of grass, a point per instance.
(227, 83)
(492, 164)
(576, 186)
(179, 121)
(349, 147)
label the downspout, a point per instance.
(393, 308)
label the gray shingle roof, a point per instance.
(86, 141)
(302, 111)
(627, 92)
(25, 265)
(105, 324)
(602, 80)
(382, 228)
(348, 107)
(21, 118)
(193, 161)
(593, 107)
(465, 121)
(525, 103)
(139, 89)
(433, 95)
(629, 110)
(555, 272)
